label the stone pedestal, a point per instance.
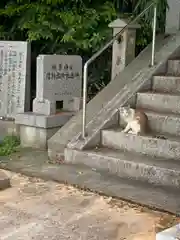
(8, 128)
(123, 51)
(44, 106)
(36, 129)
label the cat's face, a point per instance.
(125, 112)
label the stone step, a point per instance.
(166, 84)
(158, 171)
(162, 146)
(161, 122)
(158, 102)
(164, 123)
(173, 67)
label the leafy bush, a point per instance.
(58, 26)
(9, 145)
(75, 27)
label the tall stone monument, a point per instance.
(14, 78)
(15, 64)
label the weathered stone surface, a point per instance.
(129, 165)
(75, 104)
(36, 137)
(8, 128)
(174, 67)
(59, 79)
(123, 51)
(4, 180)
(168, 84)
(35, 129)
(14, 78)
(160, 102)
(172, 17)
(44, 106)
(43, 121)
(166, 146)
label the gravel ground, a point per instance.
(38, 210)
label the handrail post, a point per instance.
(85, 76)
(154, 35)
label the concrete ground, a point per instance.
(38, 210)
(35, 163)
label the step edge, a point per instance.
(155, 112)
(158, 159)
(166, 76)
(158, 93)
(145, 137)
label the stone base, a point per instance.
(8, 128)
(36, 129)
(44, 106)
(36, 137)
(47, 107)
(74, 104)
(4, 180)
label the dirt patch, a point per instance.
(57, 211)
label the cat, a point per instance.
(137, 121)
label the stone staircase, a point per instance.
(152, 160)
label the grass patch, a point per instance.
(9, 145)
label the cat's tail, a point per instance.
(148, 129)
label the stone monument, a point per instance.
(59, 79)
(123, 50)
(14, 82)
(58, 98)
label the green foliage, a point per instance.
(162, 5)
(59, 26)
(75, 27)
(9, 145)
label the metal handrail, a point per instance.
(97, 54)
